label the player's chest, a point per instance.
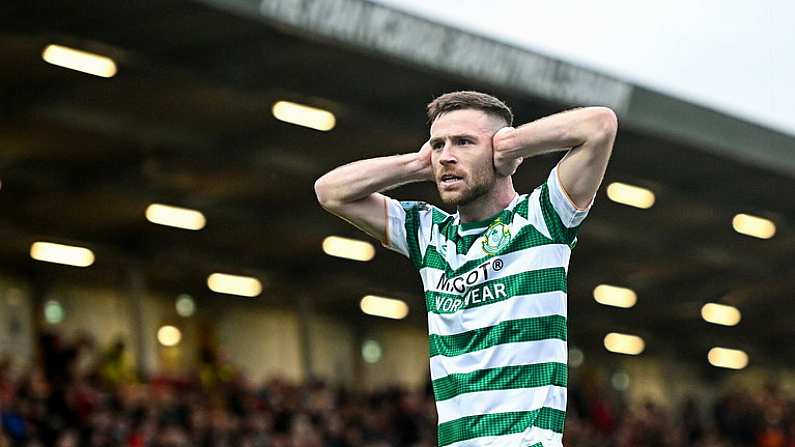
(457, 246)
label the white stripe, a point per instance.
(518, 307)
(514, 440)
(535, 218)
(471, 232)
(534, 214)
(424, 230)
(457, 217)
(501, 401)
(506, 354)
(456, 260)
(533, 436)
(528, 259)
(396, 227)
(547, 438)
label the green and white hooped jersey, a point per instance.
(495, 293)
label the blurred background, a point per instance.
(168, 279)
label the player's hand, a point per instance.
(424, 158)
(504, 141)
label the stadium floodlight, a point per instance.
(615, 296)
(173, 216)
(79, 60)
(631, 195)
(624, 343)
(353, 249)
(384, 307)
(303, 115)
(234, 284)
(727, 358)
(169, 335)
(61, 254)
(721, 314)
(754, 226)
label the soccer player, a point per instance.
(494, 273)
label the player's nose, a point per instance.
(446, 156)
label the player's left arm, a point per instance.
(588, 133)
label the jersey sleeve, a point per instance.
(561, 216)
(396, 227)
(407, 229)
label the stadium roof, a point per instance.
(187, 121)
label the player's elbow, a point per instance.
(324, 193)
(604, 123)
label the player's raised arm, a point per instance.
(590, 133)
(352, 191)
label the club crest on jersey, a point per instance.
(497, 236)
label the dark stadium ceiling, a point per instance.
(187, 121)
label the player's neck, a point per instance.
(490, 203)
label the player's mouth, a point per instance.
(450, 180)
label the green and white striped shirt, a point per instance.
(495, 293)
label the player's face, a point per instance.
(462, 155)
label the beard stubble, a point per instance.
(482, 184)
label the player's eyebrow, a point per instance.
(435, 140)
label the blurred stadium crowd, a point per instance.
(77, 395)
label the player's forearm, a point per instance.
(561, 131)
(357, 180)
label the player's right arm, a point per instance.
(353, 191)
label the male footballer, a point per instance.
(494, 272)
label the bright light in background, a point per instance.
(721, 314)
(630, 195)
(624, 343)
(371, 351)
(169, 335)
(727, 358)
(620, 381)
(754, 226)
(614, 296)
(384, 307)
(61, 254)
(173, 216)
(79, 60)
(302, 115)
(234, 284)
(576, 357)
(53, 312)
(343, 247)
(185, 305)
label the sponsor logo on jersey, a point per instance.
(470, 288)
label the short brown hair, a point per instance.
(469, 100)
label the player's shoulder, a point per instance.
(426, 213)
(415, 205)
(520, 206)
(423, 207)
